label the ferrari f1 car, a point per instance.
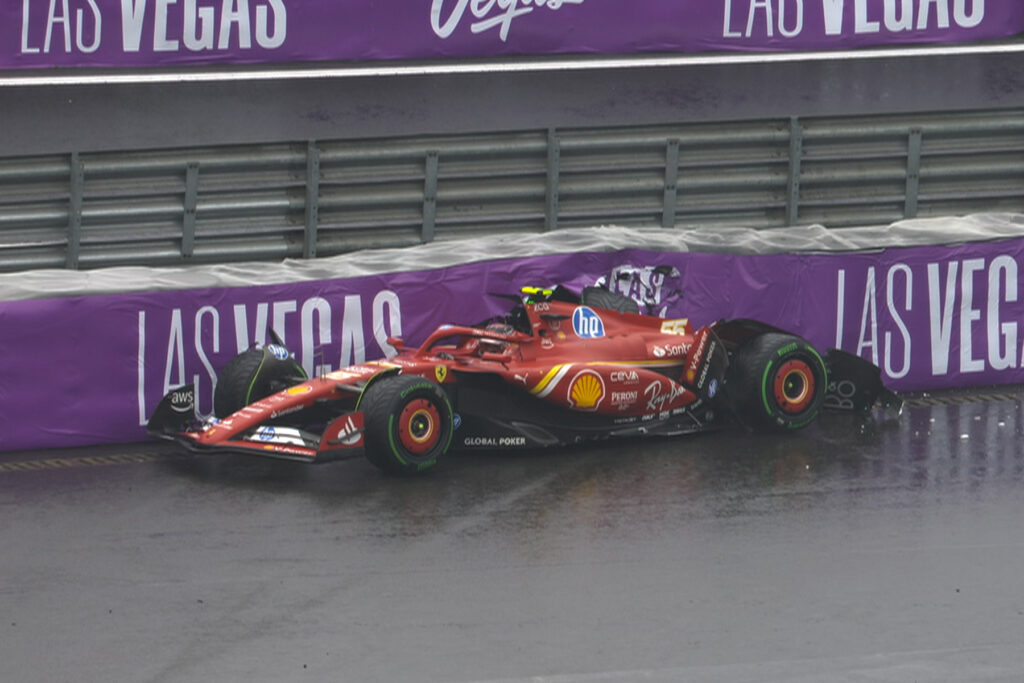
(559, 368)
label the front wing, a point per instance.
(175, 420)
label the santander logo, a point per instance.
(488, 14)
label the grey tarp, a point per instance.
(813, 238)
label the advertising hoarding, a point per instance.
(91, 369)
(152, 33)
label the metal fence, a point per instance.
(324, 197)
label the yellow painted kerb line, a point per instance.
(68, 463)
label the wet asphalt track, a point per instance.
(858, 550)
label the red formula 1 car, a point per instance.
(559, 368)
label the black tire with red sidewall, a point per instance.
(408, 422)
(777, 382)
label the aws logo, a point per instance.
(586, 390)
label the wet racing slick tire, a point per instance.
(776, 382)
(408, 423)
(252, 375)
(598, 297)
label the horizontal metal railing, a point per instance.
(323, 197)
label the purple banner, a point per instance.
(91, 369)
(144, 33)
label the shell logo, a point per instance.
(586, 391)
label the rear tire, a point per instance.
(408, 423)
(776, 382)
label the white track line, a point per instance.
(221, 74)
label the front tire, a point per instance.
(254, 374)
(408, 424)
(598, 297)
(777, 382)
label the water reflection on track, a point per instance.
(860, 549)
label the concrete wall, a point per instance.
(43, 113)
